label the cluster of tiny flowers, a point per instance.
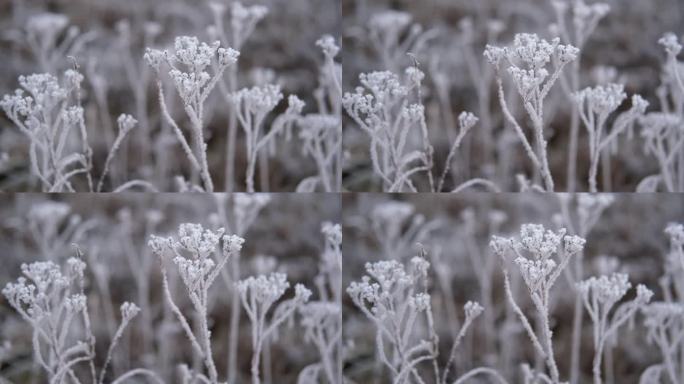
(676, 233)
(187, 84)
(196, 55)
(264, 289)
(391, 281)
(543, 243)
(316, 313)
(531, 51)
(294, 105)
(671, 44)
(383, 85)
(43, 280)
(197, 240)
(259, 99)
(126, 122)
(360, 103)
(602, 99)
(472, 310)
(327, 44)
(129, 311)
(539, 241)
(332, 233)
(467, 120)
(389, 273)
(534, 272)
(232, 243)
(659, 123)
(605, 289)
(194, 271)
(662, 314)
(315, 125)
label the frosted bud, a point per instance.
(302, 293)
(294, 105)
(327, 44)
(573, 244)
(129, 311)
(567, 53)
(494, 54)
(126, 123)
(670, 43)
(467, 120)
(154, 58)
(644, 294)
(676, 233)
(332, 232)
(472, 310)
(639, 105)
(227, 56)
(232, 243)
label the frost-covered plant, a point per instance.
(664, 320)
(394, 299)
(322, 319)
(664, 139)
(584, 20)
(258, 295)
(126, 123)
(188, 66)
(321, 133)
(526, 61)
(47, 115)
(665, 324)
(550, 253)
(243, 210)
(400, 146)
(600, 295)
(252, 105)
(243, 21)
(580, 215)
(199, 262)
(53, 300)
(595, 106)
(662, 130)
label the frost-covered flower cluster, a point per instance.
(53, 301)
